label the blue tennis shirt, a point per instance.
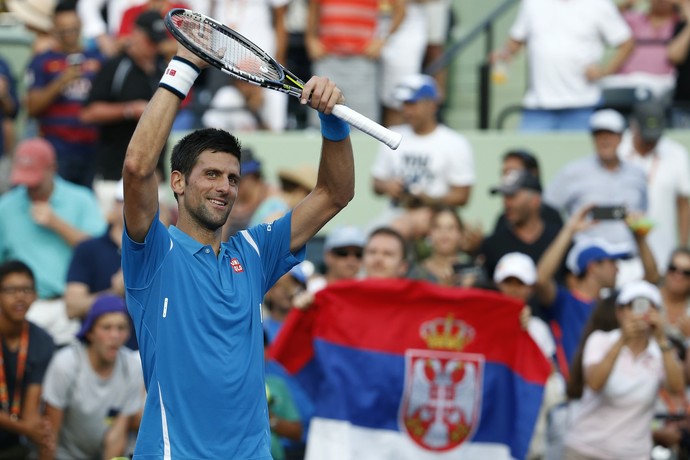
(198, 321)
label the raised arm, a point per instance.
(148, 140)
(679, 47)
(551, 260)
(335, 184)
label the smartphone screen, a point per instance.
(608, 213)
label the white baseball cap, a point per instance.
(516, 265)
(639, 289)
(607, 120)
(342, 237)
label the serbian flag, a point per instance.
(402, 369)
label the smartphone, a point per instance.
(467, 274)
(75, 59)
(608, 213)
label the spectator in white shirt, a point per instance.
(565, 43)
(665, 163)
(623, 372)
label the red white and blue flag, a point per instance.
(402, 369)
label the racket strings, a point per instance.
(232, 52)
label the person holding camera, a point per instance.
(623, 371)
(614, 186)
(59, 82)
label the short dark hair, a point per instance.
(65, 6)
(15, 266)
(187, 150)
(527, 158)
(390, 232)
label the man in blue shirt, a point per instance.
(196, 303)
(592, 264)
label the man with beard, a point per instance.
(196, 302)
(525, 229)
(385, 255)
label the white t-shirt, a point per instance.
(431, 163)
(615, 423)
(563, 37)
(90, 402)
(668, 177)
(251, 18)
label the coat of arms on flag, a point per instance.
(441, 400)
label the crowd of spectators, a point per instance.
(599, 254)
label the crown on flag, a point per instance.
(446, 333)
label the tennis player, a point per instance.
(196, 302)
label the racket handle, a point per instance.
(368, 126)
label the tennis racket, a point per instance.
(232, 53)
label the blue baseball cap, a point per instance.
(249, 164)
(587, 251)
(104, 304)
(415, 88)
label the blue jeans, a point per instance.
(540, 120)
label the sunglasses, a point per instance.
(344, 252)
(684, 272)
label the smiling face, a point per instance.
(17, 293)
(445, 234)
(208, 192)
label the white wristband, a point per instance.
(179, 76)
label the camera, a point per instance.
(640, 306)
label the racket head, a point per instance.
(229, 51)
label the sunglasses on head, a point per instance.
(684, 272)
(344, 252)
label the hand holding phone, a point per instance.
(608, 212)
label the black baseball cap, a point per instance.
(651, 119)
(516, 180)
(151, 22)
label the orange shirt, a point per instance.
(347, 26)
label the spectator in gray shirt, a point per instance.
(94, 389)
(603, 179)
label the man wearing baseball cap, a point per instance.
(603, 179)
(49, 216)
(342, 256)
(433, 166)
(524, 229)
(119, 95)
(592, 264)
(666, 165)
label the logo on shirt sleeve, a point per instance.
(236, 265)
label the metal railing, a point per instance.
(484, 28)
